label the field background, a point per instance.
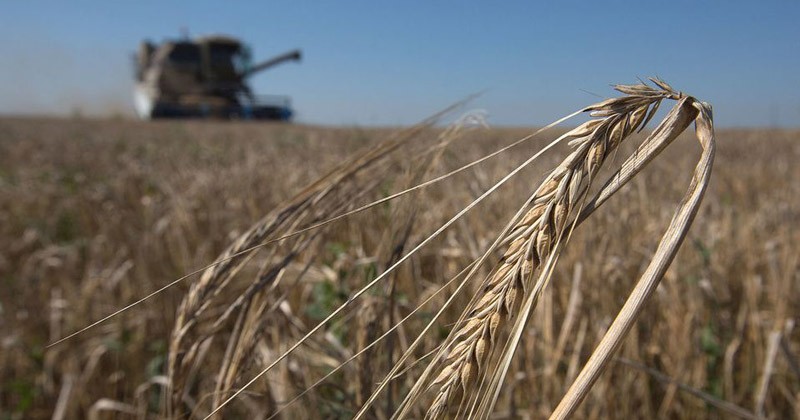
(96, 213)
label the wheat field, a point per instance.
(95, 214)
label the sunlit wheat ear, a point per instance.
(666, 251)
(466, 357)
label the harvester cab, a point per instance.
(205, 77)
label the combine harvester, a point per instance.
(204, 78)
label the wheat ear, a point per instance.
(666, 251)
(532, 240)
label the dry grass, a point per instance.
(96, 214)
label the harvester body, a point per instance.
(204, 77)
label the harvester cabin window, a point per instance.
(185, 57)
(223, 62)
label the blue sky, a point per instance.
(387, 63)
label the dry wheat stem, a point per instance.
(668, 130)
(531, 241)
(666, 251)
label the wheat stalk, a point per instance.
(668, 247)
(535, 242)
(532, 240)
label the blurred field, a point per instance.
(95, 214)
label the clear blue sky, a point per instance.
(374, 62)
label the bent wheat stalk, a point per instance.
(466, 360)
(670, 242)
(531, 241)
